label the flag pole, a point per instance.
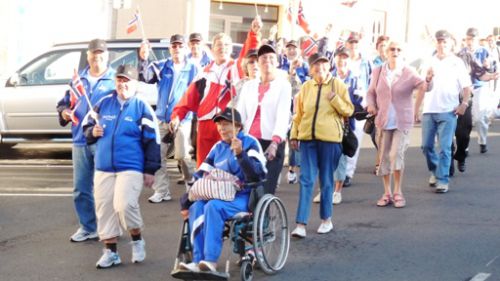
(144, 38)
(256, 10)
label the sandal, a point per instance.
(384, 200)
(399, 200)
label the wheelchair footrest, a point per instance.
(201, 275)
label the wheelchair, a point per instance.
(261, 238)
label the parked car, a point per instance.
(28, 100)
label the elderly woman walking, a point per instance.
(390, 98)
(322, 103)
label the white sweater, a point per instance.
(274, 110)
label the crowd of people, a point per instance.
(247, 111)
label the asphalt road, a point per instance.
(453, 236)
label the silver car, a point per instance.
(28, 100)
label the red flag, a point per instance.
(301, 20)
(133, 23)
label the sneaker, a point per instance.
(441, 188)
(159, 197)
(432, 180)
(108, 259)
(189, 266)
(347, 182)
(83, 235)
(207, 266)
(138, 251)
(292, 177)
(325, 227)
(337, 198)
(317, 198)
(181, 182)
(299, 232)
(461, 166)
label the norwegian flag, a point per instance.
(133, 23)
(310, 45)
(349, 3)
(289, 13)
(301, 20)
(76, 90)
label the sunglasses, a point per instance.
(395, 49)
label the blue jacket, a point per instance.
(352, 86)
(104, 86)
(131, 139)
(249, 166)
(302, 72)
(205, 59)
(163, 75)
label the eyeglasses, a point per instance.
(395, 49)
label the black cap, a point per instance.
(227, 115)
(195, 37)
(251, 53)
(442, 35)
(317, 57)
(128, 71)
(342, 50)
(266, 48)
(177, 38)
(472, 32)
(292, 43)
(353, 37)
(97, 45)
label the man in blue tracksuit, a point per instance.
(98, 81)
(127, 157)
(241, 156)
(172, 77)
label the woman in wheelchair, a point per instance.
(239, 155)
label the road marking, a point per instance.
(36, 194)
(481, 276)
(491, 261)
(36, 189)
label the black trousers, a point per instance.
(462, 135)
(273, 167)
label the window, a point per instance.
(235, 19)
(53, 68)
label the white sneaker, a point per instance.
(189, 266)
(138, 250)
(292, 177)
(337, 198)
(108, 259)
(207, 266)
(83, 235)
(317, 198)
(325, 227)
(432, 180)
(299, 232)
(159, 197)
(441, 188)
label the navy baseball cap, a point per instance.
(266, 48)
(97, 45)
(227, 115)
(442, 35)
(177, 38)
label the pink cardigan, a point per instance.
(400, 94)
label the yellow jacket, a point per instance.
(318, 116)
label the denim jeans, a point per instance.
(340, 171)
(317, 157)
(443, 126)
(83, 192)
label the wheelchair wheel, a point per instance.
(246, 271)
(271, 237)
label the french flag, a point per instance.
(133, 23)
